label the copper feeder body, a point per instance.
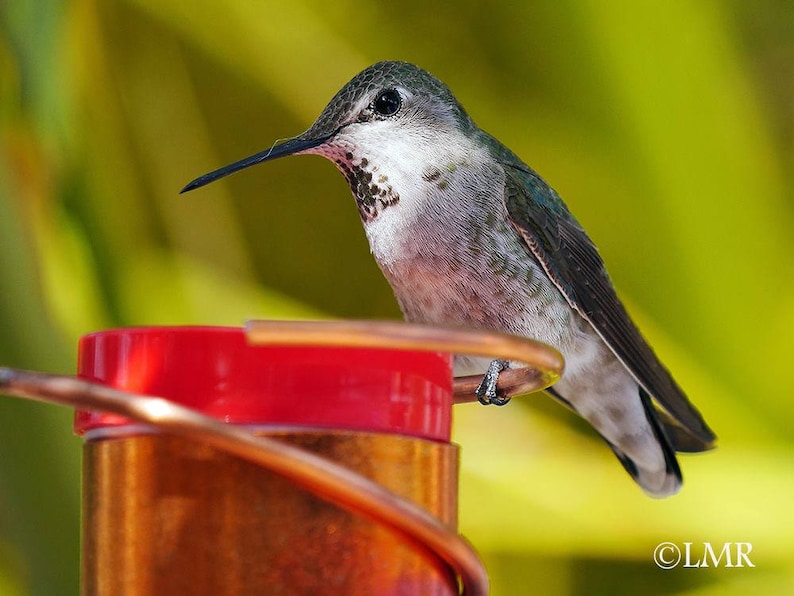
(165, 515)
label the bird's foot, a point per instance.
(488, 392)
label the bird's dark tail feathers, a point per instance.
(654, 484)
(670, 439)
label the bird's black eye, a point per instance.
(387, 103)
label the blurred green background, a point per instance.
(668, 127)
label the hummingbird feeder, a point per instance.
(279, 458)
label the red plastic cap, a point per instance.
(214, 370)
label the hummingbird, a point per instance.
(468, 235)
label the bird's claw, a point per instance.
(487, 391)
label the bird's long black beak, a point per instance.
(289, 147)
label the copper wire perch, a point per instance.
(545, 363)
(326, 479)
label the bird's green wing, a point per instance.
(573, 264)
